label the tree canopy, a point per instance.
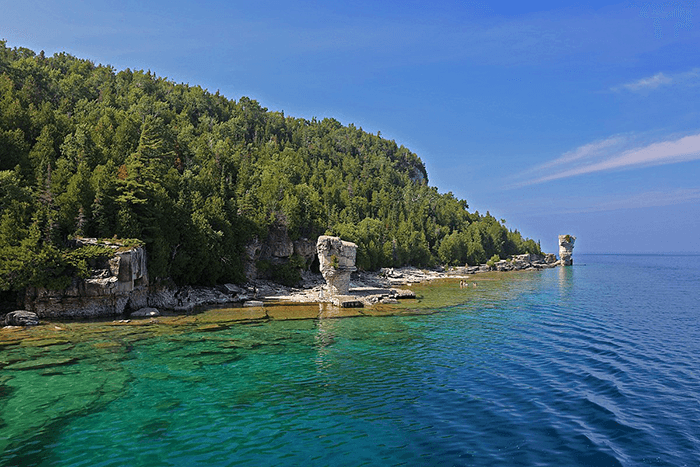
(89, 151)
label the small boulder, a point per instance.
(253, 303)
(231, 289)
(21, 318)
(403, 293)
(145, 313)
(347, 302)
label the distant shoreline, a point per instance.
(387, 286)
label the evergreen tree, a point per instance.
(86, 150)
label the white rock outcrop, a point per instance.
(337, 261)
(119, 284)
(566, 249)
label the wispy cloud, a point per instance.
(610, 154)
(588, 151)
(650, 83)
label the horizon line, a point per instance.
(653, 253)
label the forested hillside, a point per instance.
(89, 151)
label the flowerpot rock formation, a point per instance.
(566, 249)
(337, 261)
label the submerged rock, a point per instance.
(347, 302)
(403, 293)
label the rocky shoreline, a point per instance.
(120, 288)
(365, 288)
(387, 284)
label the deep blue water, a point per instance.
(596, 364)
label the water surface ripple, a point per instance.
(597, 364)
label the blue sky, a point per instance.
(581, 119)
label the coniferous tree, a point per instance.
(86, 150)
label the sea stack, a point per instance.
(566, 249)
(337, 262)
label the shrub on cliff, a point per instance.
(492, 262)
(43, 265)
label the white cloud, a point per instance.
(587, 151)
(609, 155)
(650, 83)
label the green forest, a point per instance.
(88, 151)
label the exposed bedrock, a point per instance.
(277, 248)
(118, 284)
(336, 262)
(566, 249)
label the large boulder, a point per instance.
(337, 262)
(21, 318)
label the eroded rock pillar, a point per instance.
(566, 249)
(337, 261)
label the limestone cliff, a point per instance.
(277, 248)
(118, 284)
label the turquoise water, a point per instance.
(596, 364)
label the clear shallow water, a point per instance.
(598, 364)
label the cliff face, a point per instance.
(277, 248)
(119, 284)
